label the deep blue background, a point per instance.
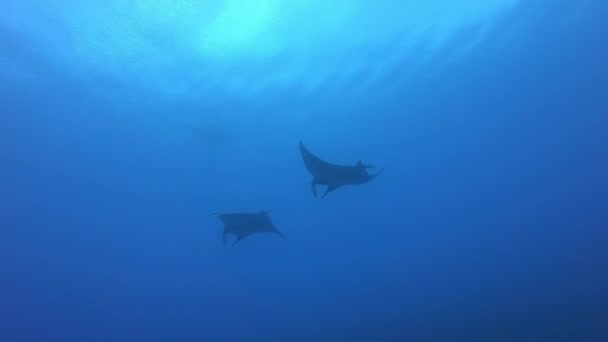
(488, 224)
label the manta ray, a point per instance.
(332, 175)
(244, 224)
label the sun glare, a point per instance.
(240, 25)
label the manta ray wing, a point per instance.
(314, 164)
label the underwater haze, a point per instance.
(127, 126)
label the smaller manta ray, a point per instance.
(244, 224)
(332, 175)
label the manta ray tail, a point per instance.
(281, 234)
(382, 169)
(379, 172)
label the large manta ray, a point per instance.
(244, 224)
(332, 175)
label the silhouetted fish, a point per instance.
(244, 224)
(334, 176)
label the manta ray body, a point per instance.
(332, 175)
(244, 224)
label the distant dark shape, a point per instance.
(244, 224)
(334, 176)
(212, 135)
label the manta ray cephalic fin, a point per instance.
(330, 188)
(313, 187)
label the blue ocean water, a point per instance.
(124, 126)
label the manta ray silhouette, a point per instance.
(244, 224)
(332, 175)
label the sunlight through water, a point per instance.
(246, 47)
